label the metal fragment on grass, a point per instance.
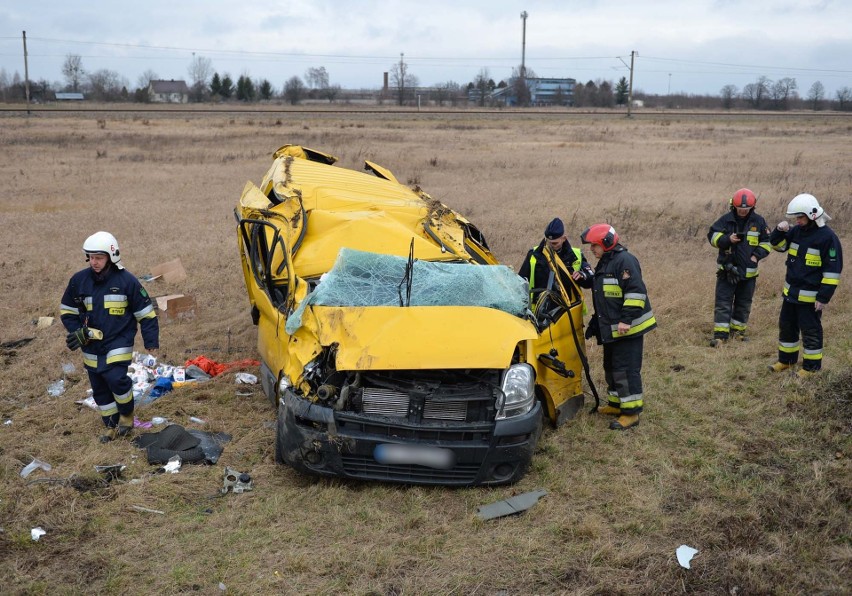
(510, 506)
(146, 510)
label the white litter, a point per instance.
(35, 465)
(56, 388)
(246, 378)
(173, 466)
(685, 554)
(89, 402)
(8, 422)
(37, 533)
(68, 368)
(197, 420)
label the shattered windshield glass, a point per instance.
(369, 279)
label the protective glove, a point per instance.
(81, 337)
(77, 339)
(733, 274)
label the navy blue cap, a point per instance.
(555, 229)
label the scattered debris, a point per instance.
(111, 471)
(237, 482)
(173, 465)
(158, 420)
(197, 420)
(170, 271)
(89, 402)
(510, 506)
(177, 306)
(37, 533)
(16, 343)
(56, 388)
(146, 510)
(246, 378)
(139, 424)
(8, 422)
(685, 554)
(193, 446)
(35, 465)
(44, 322)
(68, 368)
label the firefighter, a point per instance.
(101, 308)
(622, 317)
(536, 271)
(742, 237)
(814, 263)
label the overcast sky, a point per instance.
(694, 46)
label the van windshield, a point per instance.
(369, 279)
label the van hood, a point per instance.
(418, 337)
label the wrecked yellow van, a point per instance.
(393, 344)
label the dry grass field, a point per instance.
(752, 470)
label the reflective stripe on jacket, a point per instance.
(755, 242)
(814, 262)
(619, 295)
(114, 305)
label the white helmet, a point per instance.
(805, 204)
(103, 243)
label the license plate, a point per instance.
(431, 457)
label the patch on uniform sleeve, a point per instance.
(832, 253)
(144, 292)
(626, 274)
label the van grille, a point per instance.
(386, 402)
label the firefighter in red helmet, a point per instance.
(622, 317)
(742, 238)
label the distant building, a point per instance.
(168, 92)
(61, 96)
(543, 92)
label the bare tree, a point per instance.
(72, 70)
(816, 94)
(782, 91)
(107, 85)
(729, 95)
(294, 90)
(199, 71)
(483, 85)
(844, 96)
(402, 81)
(519, 86)
(755, 93)
(4, 83)
(316, 78)
(145, 79)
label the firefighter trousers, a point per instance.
(112, 390)
(622, 360)
(796, 319)
(733, 305)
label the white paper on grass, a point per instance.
(37, 533)
(174, 464)
(685, 554)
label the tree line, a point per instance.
(206, 84)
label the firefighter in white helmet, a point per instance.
(101, 309)
(814, 263)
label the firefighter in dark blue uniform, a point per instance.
(622, 317)
(101, 308)
(814, 264)
(742, 237)
(536, 270)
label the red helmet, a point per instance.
(601, 234)
(743, 199)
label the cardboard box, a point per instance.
(177, 306)
(170, 271)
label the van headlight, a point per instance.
(518, 388)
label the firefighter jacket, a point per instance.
(113, 303)
(536, 270)
(814, 262)
(755, 241)
(619, 295)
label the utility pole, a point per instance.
(26, 74)
(670, 85)
(630, 88)
(524, 16)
